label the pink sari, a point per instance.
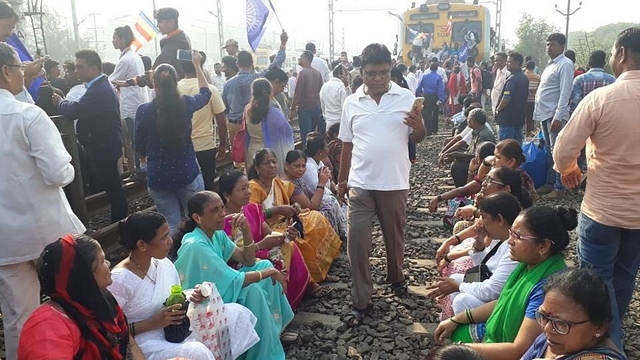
(286, 257)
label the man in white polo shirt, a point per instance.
(333, 94)
(377, 123)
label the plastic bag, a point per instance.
(535, 160)
(178, 333)
(449, 217)
(210, 325)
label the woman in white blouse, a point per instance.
(143, 281)
(497, 213)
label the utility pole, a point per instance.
(331, 30)
(74, 20)
(95, 31)
(499, 24)
(220, 27)
(568, 15)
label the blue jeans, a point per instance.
(612, 253)
(169, 202)
(553, 178)
(310, 120)
(510, 132)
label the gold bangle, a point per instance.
(260, 275)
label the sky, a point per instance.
(307, 20)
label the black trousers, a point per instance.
(207, 161)
(430, 113)
(105, 176)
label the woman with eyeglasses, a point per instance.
(453, 255)
(574, 317)
(497, 213)
(505, 153)
(507, 327)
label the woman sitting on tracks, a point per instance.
(316, 196)
(203, 256)
(319, 244)
(285, 255)
(163, 140)
(81, 319)
(266, 125)
(507, 327)
(506, 153)
(497, 213)
(142, 282)
(575, 317)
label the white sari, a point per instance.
(141, 299)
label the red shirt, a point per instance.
(49, 334)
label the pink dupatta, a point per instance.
(287, 257)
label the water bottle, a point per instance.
(176, 296)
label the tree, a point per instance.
(601, 38)
(532, 38)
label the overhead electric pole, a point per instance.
(568, 15)
(74, 20)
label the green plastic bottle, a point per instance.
(176, 296)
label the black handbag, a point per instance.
(481, 272)
(178, 333)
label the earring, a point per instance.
(598, 335)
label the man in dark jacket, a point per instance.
(99, 129)
(174, 39)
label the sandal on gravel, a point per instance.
(399, 288)
(356, 316)
(288, 337)
(321, 291)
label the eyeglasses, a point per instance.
(491, 180)
(382, 74)
(560, 326)
(523, 237)
(21, 66)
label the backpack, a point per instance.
(487, 79)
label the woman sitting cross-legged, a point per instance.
(574, 317)
(506, 328)
(285, 255)
(319, 243)
(317, 197)
(203, 256)
(142, 282)
(453, 255)
(490, 248)
(81, 320)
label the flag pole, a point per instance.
(276, 14)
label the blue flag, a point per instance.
(258, 17)
(24, 56)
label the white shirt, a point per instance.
(218, 81)
(420, 74)
(379, 160)
(500, 265)
(467, 133)
(498, 85)
(311, 173)
(554, 91)
(76, 92)
(443, 74)
(25, 97)
(412, 81)
(320, 65)
(34, 210)
(129, 66)
(332, 96)
(464, 70)
(291, 84)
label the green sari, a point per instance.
(201, 258)
(505, 320)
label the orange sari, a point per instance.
(321, 244)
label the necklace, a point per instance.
(144, 272)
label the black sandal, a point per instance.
(356, 316)
(399, 288)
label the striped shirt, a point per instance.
(534, 82)
(587, 82)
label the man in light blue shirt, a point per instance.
(552, 105)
